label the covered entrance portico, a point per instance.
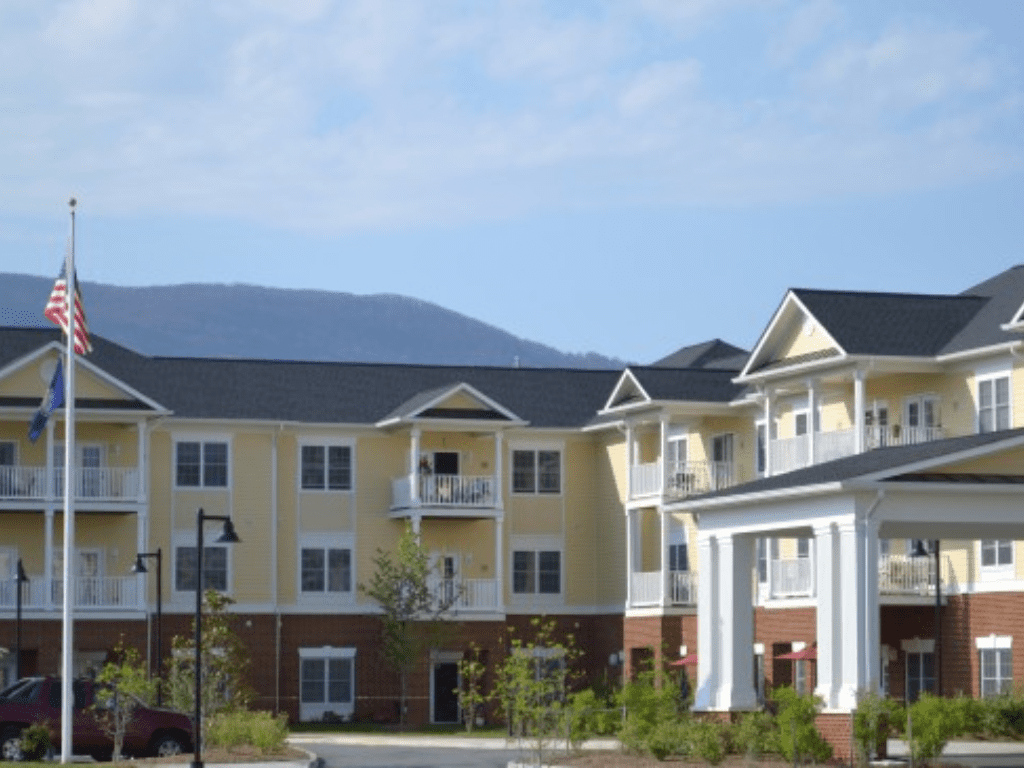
(960, 490)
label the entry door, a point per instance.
(446, 702)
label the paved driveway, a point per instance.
(350, 752)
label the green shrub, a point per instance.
(594, 715)
(35, 741)
(1000, 716)
(875, 720)
(797, 732)
(756, 734)
(243, 728)
(647, 706)
(935, 721)
(668, 737)
(710, 740)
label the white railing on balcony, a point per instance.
(646, 587)
(686, 478)
(466, 594)
(90, 483)
(903, 575)
(682, 587)
(883, 437)
(834, 445)
(645, 479)
(445, 491)
(91, 593)
(791, 577)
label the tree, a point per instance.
(532, 685)
(224, 663)
(471, 694)
(403, 584)
(121, 686)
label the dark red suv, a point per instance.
(151, 732)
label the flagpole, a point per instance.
(67, 700)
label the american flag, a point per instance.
(57, 311)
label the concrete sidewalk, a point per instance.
(449, 742)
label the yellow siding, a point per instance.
(798, 342)
(608, 524)
(251, 479)
(462, 400)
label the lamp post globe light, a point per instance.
(227, 536)
(140, 567)
(19, 579)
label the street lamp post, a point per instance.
(140, 567)
(228, 536)
(921, 551)
(19, 579)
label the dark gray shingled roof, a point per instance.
(709, 354)
(865, 464)
(318, 392)
(688, 384)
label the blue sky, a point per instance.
(625, 177)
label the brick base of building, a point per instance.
(837, 731)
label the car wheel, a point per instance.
(167, 745)
(10, 745)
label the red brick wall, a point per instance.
(777, 629)
(836, 730)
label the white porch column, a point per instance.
(858, 411)
(414, 467)
(416, 525)
(858, 569)
(709, 655)
(499, 464)
(664, 557)
(141, 537)
(629, 461)
(662, 454)
(871, 646)
(48, 557)
(499, 562)
(812, 421)
(726, 626)
(767, 433)
(829, 602)
(629, 558)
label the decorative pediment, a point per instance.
(627, 392)
(24, 381)
(794, 337)
(459, 402)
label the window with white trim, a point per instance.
(536, 566)
(325, 569)
(199, 464)
(326, 467)
(536, 471)
(993, 403)
(995, 661)
(919, 667)
(920, 416)
(996, 557)
(326, 682)
(215, 567)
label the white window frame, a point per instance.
(998, 570)
(536, 449)
(187, 539)
(920, 648)
(203, 440)
(315, 711)
(537, 545)
(1001, 646)
(326, 542)
(991, 379)
(326, 445)
(760, 447)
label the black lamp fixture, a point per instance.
(19, 579)
(140, 567)
(921, 551)
(228, 536)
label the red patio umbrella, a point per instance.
(807, 653)
(686, 661)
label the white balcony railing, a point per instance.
(903, 575)
(445, 491)
(467, 594)
(682, 587)
(645, 479)
(91, 593)
(792, 453)
(791, 577)
(686, 478)
(884, 437)
(116, 483)
(646, 587)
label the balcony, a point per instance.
(474, 595)
(97, 593)
(680, 479)
(647, 588)
(903, 575)
(445, 491)
(92, 484)
(792, 453)
(791, 577)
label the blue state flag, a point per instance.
(52, 400)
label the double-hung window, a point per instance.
(326, 467)
(200, 464)
(536, 567)
(326, 570)
(215, 568)
(996, 664)
(996, 558)
(993, 403)
(326, 682)
(536, 471)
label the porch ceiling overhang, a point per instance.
(457, 406)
